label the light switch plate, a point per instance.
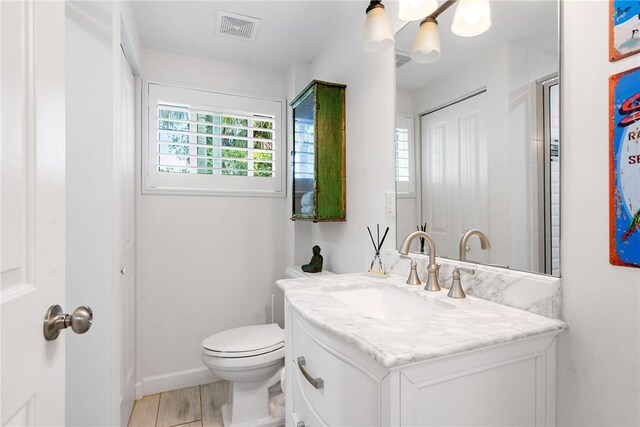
(391, 204)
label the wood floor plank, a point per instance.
(179, 407)
(214, 395)
(193, 424)
(145, 411)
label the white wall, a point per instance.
(598, 366)
(94, 32)
(205, 264)
(89, 210)
(404, 103)
(370, 153)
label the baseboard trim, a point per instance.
(139, 394)
(174, 380)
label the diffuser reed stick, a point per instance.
(422, 228)
(380, 271)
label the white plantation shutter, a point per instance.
(405, 159)
(207, 142)
(402, 154)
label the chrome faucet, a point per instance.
(484, 242)
(456, 290)
(413, 279)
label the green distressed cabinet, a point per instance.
(319, 153)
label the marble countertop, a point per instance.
(472, 323)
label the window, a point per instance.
(212, 143)
(405, 186)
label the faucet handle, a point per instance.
(467, 270)
(456, 290)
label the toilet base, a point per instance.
(270, 421)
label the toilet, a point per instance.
(250, 358)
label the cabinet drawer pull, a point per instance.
(300, 424)
(317, 383)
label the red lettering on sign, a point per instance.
(630, 108)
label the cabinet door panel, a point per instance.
(498, 396)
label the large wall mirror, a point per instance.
(478, 138)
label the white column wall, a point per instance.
(370, 152)
(599, 355)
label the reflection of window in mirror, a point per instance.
(407, 196)
(405, 167)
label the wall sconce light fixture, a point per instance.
(412, 10)
(426, 46)
(378, 33)
(472, 18)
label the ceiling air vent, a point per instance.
(237, 26)
(402, 58)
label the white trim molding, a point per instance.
(208, 185)
(174, 381)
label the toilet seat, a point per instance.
(247, 341)
(239, 354)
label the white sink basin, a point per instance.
(387, 302)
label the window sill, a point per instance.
(153, 191)
(405, 195)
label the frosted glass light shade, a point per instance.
(426, 46)
(472, 18)
(412, 10)
(378, 34)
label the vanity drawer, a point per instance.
(342, 393)
(303, 414)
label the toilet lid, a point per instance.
(247, 339)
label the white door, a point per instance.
(454, 176)
(127, 240)
(32, 197)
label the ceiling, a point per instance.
(290, 30)
(533, 23)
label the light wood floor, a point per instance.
(189, 407)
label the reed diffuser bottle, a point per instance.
(378, 267)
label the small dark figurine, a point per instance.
(315, 265)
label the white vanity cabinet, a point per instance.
(337, 384)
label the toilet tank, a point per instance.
(295, 272)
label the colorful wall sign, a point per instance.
(624, 28)
(624, 163)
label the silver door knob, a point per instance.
(55, 320)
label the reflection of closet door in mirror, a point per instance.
(454, 176)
